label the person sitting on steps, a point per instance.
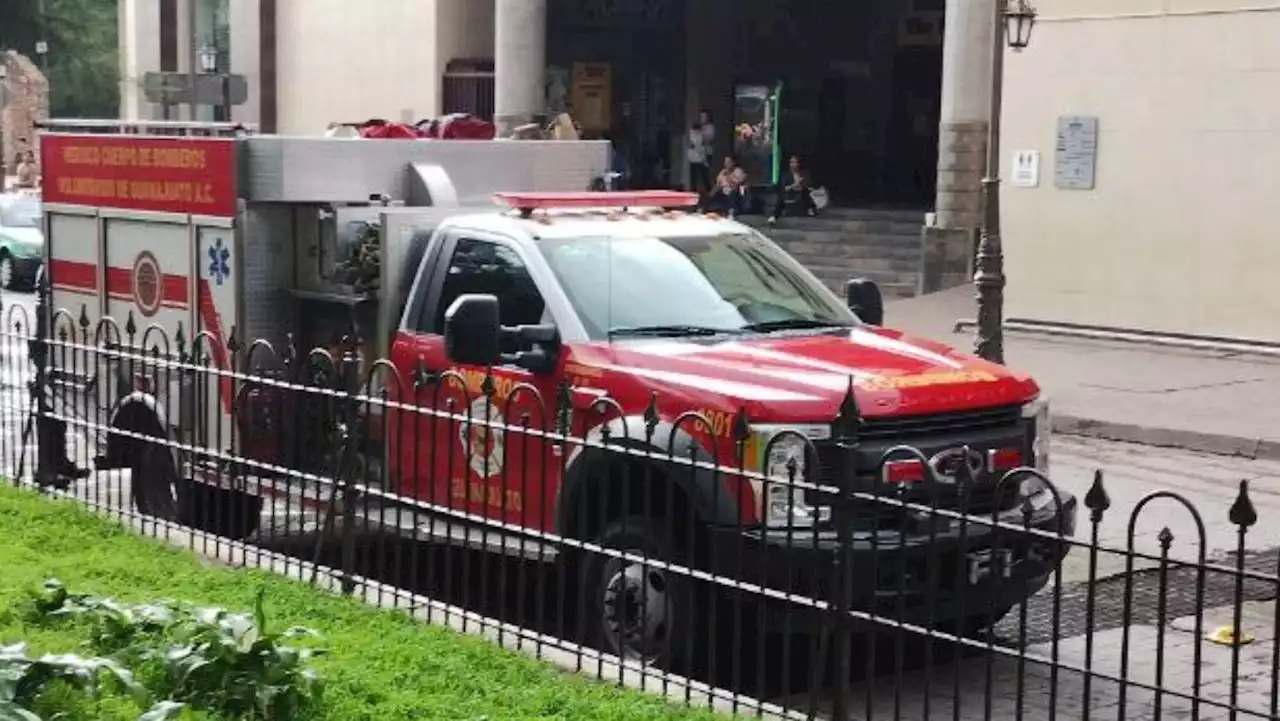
(729, 195)
(794, 193)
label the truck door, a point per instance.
(475, 451)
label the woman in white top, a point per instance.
(708, 132)
(697, 155)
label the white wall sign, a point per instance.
(1077, 152)
(1026, 168)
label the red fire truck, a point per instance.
(671, 344)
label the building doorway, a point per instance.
(633, 53)
(862, 86)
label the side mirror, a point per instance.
(864, 299)
(472, 330)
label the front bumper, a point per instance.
(957, 569)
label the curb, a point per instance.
(1215, 443)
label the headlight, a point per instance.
(782, 455)
(1033, 490)
(1037, 412)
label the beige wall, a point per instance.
(339, 61)
(1179, 233)
(465, 30)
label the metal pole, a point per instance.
(226, 95)
(193, 56)
(989, 278)
(44, 40)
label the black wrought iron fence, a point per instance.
(847, 568)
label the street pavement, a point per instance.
(1157, 395)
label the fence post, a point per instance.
(349, 447)
(47, 431)
(845, 430)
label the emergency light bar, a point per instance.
(526, 203)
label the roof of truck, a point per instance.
(613, 223)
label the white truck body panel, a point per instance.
(215, 277)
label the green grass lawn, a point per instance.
(382, 664)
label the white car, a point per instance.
(21, 239)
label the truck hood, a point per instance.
(803, 378)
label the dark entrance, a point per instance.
(634, 52)
(861, 88)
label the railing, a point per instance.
(627, 542)
(185, 128)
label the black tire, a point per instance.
(975, 625)
(616, 589)
(220, 511)
(153, 479)
(159, 492)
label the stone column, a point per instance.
(962, 144)
(966, 94)
(520, 63)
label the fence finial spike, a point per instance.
(651, 417)
(849, 415)
(741, 426)
(1242, 513)
(564, 410)
(1097, 500)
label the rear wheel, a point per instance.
(153, 479)
(220, 511)
(158, 491)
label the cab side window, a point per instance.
(481, 266)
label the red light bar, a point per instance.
(603, 199)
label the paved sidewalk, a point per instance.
(1009, 684)
(1207, 401)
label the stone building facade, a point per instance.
(27, 91)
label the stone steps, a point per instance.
(881, 245)
(827, 224)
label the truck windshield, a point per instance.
(732, 283)
(19, 213)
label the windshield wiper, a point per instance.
(794, 324)
(671, 331)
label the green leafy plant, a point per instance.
(236, 664)
(210, 658)
(23, 678)
(117, 627)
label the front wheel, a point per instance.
(637, 611)
(976, 624)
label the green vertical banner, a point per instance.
(775, 112)
(753, 133)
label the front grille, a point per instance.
(904, 429)
(930, 434)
